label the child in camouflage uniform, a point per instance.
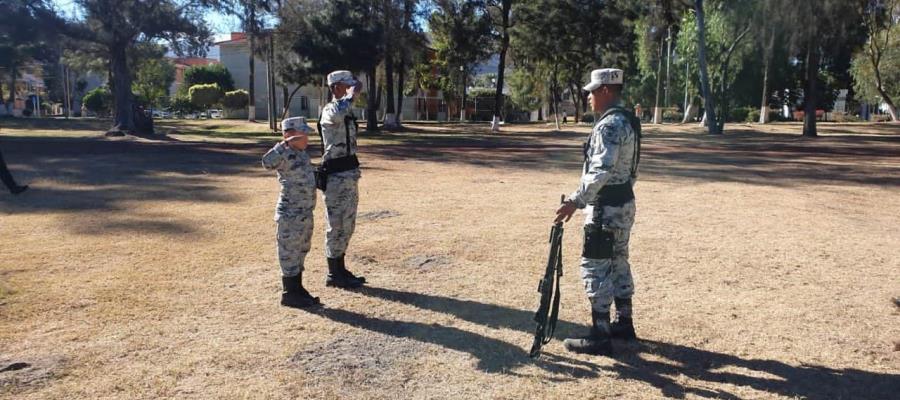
(294, 212)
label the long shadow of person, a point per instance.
(494, 356)
(666, 363)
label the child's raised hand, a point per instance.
(297, 141)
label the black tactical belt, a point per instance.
(614, 195)
(341, 164)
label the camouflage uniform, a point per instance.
(341, 195)
(294, 213)
(609, 156)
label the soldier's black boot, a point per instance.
(597, 342)
(623, 326)
(294, 295)
(338, 276)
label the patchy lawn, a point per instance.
(766, 267)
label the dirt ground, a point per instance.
(766, 267)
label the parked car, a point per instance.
(215, 113)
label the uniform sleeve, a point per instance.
(604, 153)
(274, 158)
(333, 113)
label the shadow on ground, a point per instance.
(662, 369)
(742, 156)
(71, 175)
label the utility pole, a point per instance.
(270, 84)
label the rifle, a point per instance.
(548, 311)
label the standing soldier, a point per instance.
(340, 167)
(294, 213)
(611, 157)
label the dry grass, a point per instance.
(766, 267)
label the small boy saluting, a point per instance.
(294, 212)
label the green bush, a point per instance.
(183, 105)
(672, 115)
(588, 118)
(236, 99)
(208, 74)
(739, 114)
(204, 96)
(753, 116)
(98, 101)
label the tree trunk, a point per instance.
(657, 116)
(506, 6)
(879, 86)
(767, 61)
(390, 111)
(251, 86)
(287, 101)
(371, 104)
(812, 75)
(576, 100)
(709, 103)
(121, 86)
(13, 73)
(401, 78)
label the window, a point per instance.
(304, 103)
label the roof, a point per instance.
(193, 61)
(236, 37)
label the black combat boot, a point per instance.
(338, 276)
(294, 295)
(623, 327)
(598, 342)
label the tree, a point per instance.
(461, 38)
(811, 27)
(563, 40)
(205, 95)
(727, 49)
(118, 25)
(253, 14)
(708, 101)
(98, 101)
(236, 99)
(876, 68)
(207, 74)
(341, 34)
(152, 80)
(501, 16)
(24, 39)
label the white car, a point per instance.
(215, 113)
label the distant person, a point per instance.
(8, 180)
(294, 212)
(565, 117)
(610, 169)
(638, 111)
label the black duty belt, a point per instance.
(341, 164)
(614, 195)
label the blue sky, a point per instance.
(219, 22)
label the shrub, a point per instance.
(98, 101)
(753, 116)
(672, 115)
(236, 99)
(204, 96)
